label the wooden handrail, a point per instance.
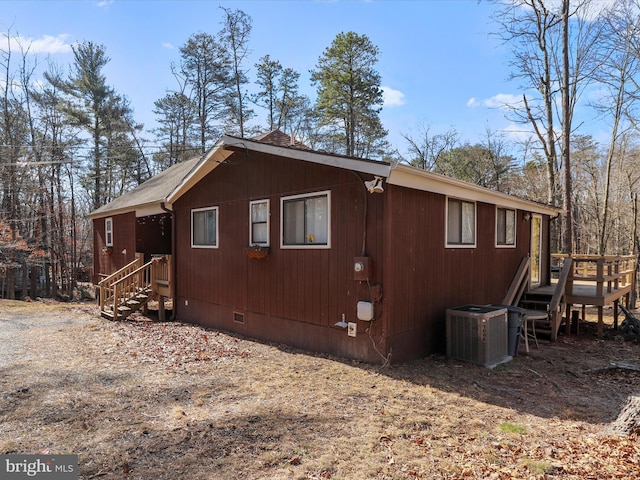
(518, 284)
(128, 287)
(554, 309)
(608, 272)
(561, 285)
(151, 279)
(106, 284)
(123, 271)
(161, 276)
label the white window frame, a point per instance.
(450, 244)
(205, 209)
(515, 217)
(251, 204)
(108, 232)
(283, 200)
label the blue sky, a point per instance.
(439, 64)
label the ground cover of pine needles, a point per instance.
(149, 400)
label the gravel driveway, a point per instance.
(17, 322)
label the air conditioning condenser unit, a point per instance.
(478, 334)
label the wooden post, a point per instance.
(115, 301)
(101, 297)
(600, 323)
(600, 277)
(567, 326)
(615, 314)
(575, 320)
(161, 311)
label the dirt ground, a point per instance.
(149, 400)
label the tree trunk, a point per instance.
(33, 289)
(628, 422)
(567, 246)
(24, 271)
(11, 283)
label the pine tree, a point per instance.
(205, 71)
(349, 95)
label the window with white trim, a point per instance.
(259, 217)
(108, 232)
(306, 220)
(461, 223)
(505, 227)
(204, 227)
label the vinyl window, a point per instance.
(204, 227)
(306, 221)
(259, 217)
(505, 227)
(108, 232)
(461, 223)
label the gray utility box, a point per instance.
(478, 334)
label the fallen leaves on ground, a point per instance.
(173, 344)
(140, 400)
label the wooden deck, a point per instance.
(586, 294)
(596, 281)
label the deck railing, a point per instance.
(161, 276)
(106, 284)
(607, 272)
(133, 280)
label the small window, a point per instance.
(204, 228)
(108, 232)
(259, 228)
(505, 227)
(306, 221)
(461, 223)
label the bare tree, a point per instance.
(204, 76)
(617, 77)
(426, 148)
(567, 115)
(554, 56)
(235, 36)
(13, 137)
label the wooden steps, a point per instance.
(129, 289)
(135, 302)
(543, 310)
(538, 303)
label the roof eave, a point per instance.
(412, 177)
(141, 210)
(209, 161)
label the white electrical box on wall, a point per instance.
(365, 311)
(351, 329)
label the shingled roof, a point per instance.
(150, 194)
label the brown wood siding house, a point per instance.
(135, 222)
(322, 225)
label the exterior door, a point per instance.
(536, 250)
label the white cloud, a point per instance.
(391, 97)
(501, 101)
(44, 44)
(104, 3)
(473, 102)
(167, 45)
(518, 132)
